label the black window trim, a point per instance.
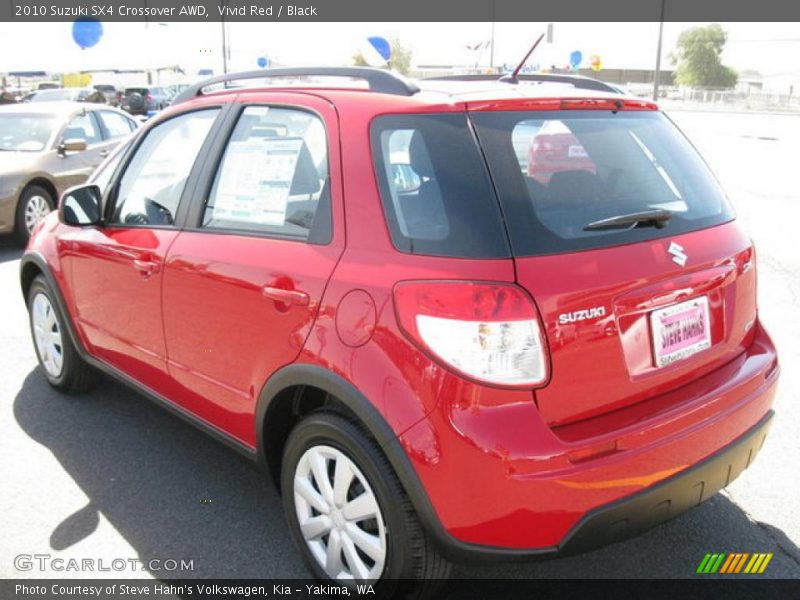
(213, 161)
(185, 200)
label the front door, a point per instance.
(117, 269)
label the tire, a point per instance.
(136, 102)
(412, 568)
(34, 204)
(63, 367)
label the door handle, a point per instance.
(146, 266)
(294, 297)
(103, 152)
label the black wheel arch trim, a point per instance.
(299, 374)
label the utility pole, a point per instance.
(491, 48)
(658, 54)
(224, 40)
(491, 41)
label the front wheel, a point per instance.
(348, 513)
(63, 367)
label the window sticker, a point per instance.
(256, 180)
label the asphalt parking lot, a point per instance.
(108, 474)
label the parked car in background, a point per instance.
(553, 149)
(143, 100)
(109, 91)
(7, 97)
(86, 94)
(46, 148)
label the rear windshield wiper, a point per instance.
(648, 218)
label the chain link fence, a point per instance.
(718, 99)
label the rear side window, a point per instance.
(435, 188)
(559, 173)
(116, 125)
(273, 178)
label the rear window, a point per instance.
(558, 172)
(436, 191)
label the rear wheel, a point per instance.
(35, 204)
(348, 513)
(63, 367)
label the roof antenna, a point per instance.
(513, 77)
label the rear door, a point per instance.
(635, 309)
(243, 282)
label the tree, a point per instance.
(698, 58)
(400, 60)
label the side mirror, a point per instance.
(81, 206)
(72, 145)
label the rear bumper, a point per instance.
(668, 499)
(501, 484)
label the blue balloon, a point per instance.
(86, 32)
(263, 62)
(575, 58)
(382, 45)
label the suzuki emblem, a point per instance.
(678, 255)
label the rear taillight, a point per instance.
(489, 332)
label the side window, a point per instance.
(413, 185)
(83, 127)
(436, 191)
(116, 125)
(102, 176)
(273, 178)
(153, 182)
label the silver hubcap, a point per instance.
(47, 335)
(36, 209)
(339, 515)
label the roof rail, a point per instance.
(579, 81)
(378, 80)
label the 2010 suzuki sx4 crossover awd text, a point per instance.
(453, 320)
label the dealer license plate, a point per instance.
(680, 330)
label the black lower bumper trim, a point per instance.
(635, 514)
(668, 499)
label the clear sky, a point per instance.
(771, 48)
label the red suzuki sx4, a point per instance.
(439, 354)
